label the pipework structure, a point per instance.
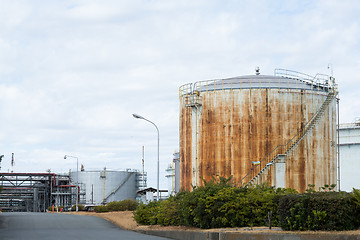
(34, 192)
(279, 129)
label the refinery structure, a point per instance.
(36, 192)
(279, 129)
(173, 175)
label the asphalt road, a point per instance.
(55, 226)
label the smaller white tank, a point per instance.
(104, 186)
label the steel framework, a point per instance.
(35, 192)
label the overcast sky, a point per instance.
(73, 72)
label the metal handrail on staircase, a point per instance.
(292, 143)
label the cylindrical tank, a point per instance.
(104, 186)
(237, 126)
(349, 144)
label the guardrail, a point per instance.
(283, 79)
(319, 78)
(349, 125)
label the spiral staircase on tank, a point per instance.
(281, 151)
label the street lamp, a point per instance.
(77, 179)
(140, 117)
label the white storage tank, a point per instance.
(349, 156)
(104, 186)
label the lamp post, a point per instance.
(77, 180)
(158, 140)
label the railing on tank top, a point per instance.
(285, 80)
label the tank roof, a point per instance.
(282, 79)
(106, 170)
(260, 81)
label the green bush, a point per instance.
(115, 206)
(192, 205)
(318, 211)
(167, 214)
(124, 205)
(101, 209)
(129, 205)
(217, 204)
(356, 197)
(236, 207)
(80, 207)
(146, 214)
(214, 205)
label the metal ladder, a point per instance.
(293, 143)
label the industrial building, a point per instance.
(173, 175)
(349, 139)
(36, 192)
(279, 129)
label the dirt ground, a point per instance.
(126, 221)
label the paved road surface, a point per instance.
(53, 226)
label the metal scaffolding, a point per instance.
(35, 192)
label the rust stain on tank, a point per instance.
(185, 147)
(236, 127)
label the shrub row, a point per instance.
(124, 205)
(319, 211)
(80, 207)
(229, 207)
(164, 213)
(216, 204)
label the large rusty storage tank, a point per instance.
(278, 129)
